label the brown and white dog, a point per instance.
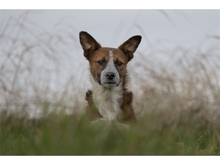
(109, 96)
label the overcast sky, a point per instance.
(166, 28)
(111, 27)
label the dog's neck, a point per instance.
(107, 100)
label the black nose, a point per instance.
(110, 75)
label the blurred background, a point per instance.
(175, 68)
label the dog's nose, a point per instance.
(110, 75)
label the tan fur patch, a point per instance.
(103, 54)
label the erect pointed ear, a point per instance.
(89, 44)
(130, 46)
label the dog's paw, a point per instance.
(127, 97)
(88, 96)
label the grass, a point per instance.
(59, 134)
(41, 98)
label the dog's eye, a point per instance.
(118, 63)
(101, 62)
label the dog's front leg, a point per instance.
(91, 111)
(127, 108)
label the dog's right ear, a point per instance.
(89, 44)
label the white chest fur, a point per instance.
(107, 100)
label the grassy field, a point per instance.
(176, 100)
(67, 135)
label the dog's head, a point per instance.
(108, 65)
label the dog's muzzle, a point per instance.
(109, 79)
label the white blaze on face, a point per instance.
(110, 68)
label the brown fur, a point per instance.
(91, 111)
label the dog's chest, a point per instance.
(108, 101)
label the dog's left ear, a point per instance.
(130, 46)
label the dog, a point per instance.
(109, 98)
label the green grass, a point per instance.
(67, 135)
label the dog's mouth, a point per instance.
(110, 83)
